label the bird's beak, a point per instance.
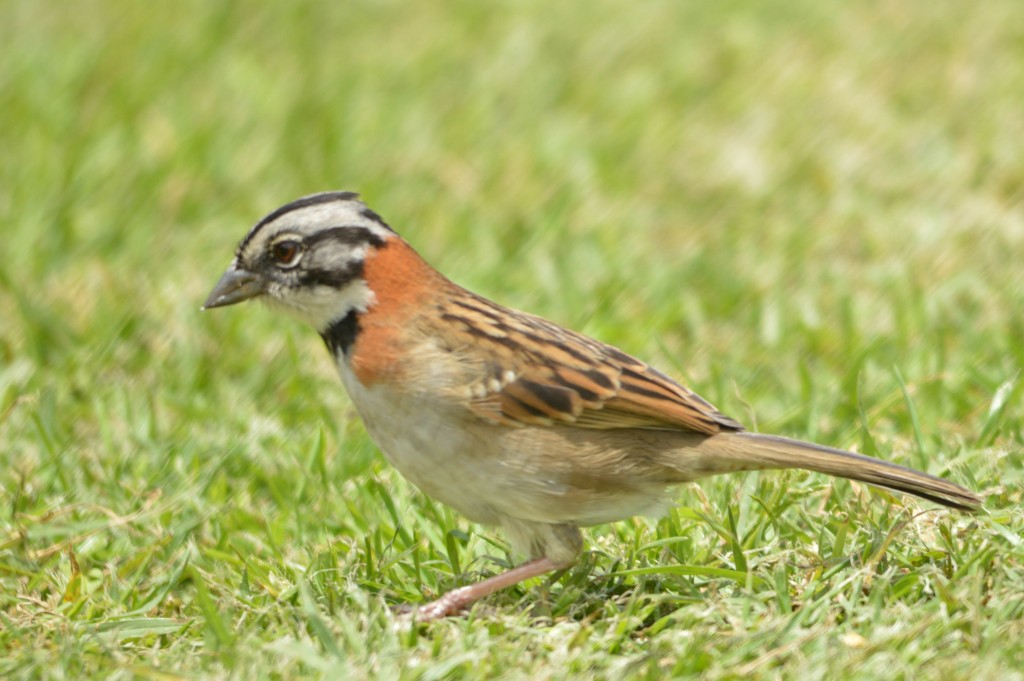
(235, 286)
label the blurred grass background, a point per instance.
(811, 212)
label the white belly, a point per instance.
(430, 446)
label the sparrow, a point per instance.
(510, 419)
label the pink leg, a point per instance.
(457, 600)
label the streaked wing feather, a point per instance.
(538, 373)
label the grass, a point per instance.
(810, 212)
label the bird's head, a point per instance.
(307, 259)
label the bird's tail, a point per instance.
(727, 452)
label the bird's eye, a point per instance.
(286, 252)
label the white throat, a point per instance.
(320, 306)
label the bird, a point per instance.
(510, 419)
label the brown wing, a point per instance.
(538, 373)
